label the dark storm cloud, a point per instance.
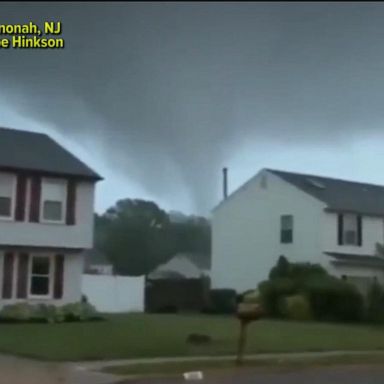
(176, 87)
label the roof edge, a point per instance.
(94, 178)
(237, 190)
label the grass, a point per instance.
(142, 335)
(221, 366)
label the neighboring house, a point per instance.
(46, 219)
(96, 263)
(306, 218)
(182, 266)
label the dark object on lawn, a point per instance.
(246, 313)
(198, 339)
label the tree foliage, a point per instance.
(137, 236)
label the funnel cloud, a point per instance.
(158, 97)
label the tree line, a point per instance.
(137, 235)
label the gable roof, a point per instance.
(38, 152)
(337, 194)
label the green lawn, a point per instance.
(141, 335)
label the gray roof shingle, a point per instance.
(38, 152)
(339, 195)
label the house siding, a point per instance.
(73, 269)
(246, 231)
(79, 235)
(372, 233)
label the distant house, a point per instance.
(96, 263)
(335, 223)
(183, 266)
(46, 219)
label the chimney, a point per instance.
(225, 183)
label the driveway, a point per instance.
(14, 370)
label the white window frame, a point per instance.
(65, 184)
(50, 276)
(13, 198)
(354, 230)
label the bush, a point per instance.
(281, 269)
(297, 307)
(332, 299)
(296, 271)
(25, 312)
(329, 298)
(375, 304)
(79, 311)
(48, 313)
(272, 291)
(222, 301)
(17, 312)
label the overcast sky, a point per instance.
(158, 97)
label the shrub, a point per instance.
(304, 271)
(48, 313)
(375, 304)
(78, 311)
(222, 301)
(329, 298)
(17, 312)
(281, 269)
(25, 312)
(296, 271)
(333, 299)
(271, 293)
(297, 307)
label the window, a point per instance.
(286, 229)
(40, 276)
(7, 187)
(53, 200)
(350, 229)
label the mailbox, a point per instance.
(248, 312)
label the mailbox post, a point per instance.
(246, 313)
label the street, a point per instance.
(329, 375)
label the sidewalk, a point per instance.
(96, 365)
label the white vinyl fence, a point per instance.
(113, 294)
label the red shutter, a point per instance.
(21, 189)
(34, 212)
(59, 277)
(22, 276)
(71, 202)
(8, 275)
(340, 229)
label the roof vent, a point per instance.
(316, 183)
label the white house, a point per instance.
(334, 223)
(46, 219)
(182, 265)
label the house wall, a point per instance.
(73, 268)
(112, 294)
(79, 235)
(246, 231)
(372, 233)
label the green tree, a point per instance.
(136, 236)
